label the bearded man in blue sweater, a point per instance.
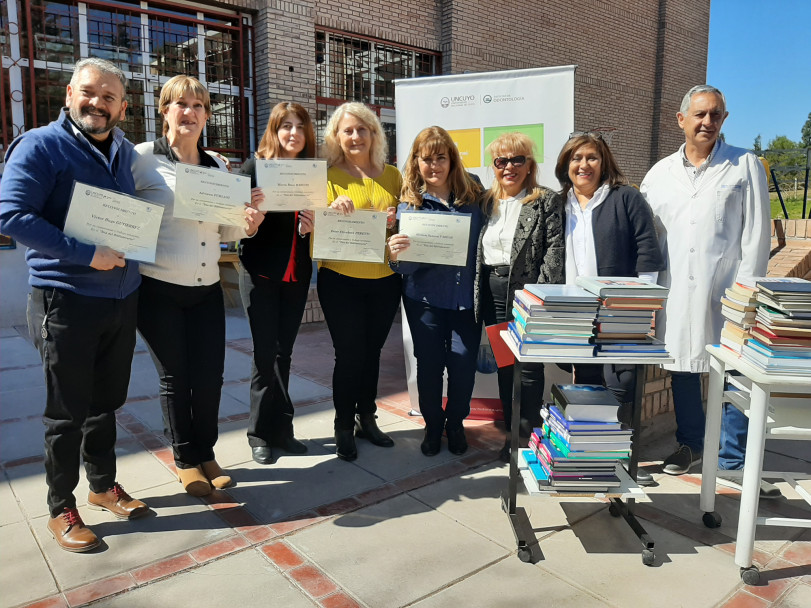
(83, 300)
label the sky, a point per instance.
(760, 57)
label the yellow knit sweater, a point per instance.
(379, 193)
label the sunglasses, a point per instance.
(502, 161)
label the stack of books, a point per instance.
(780, 341)
(553, 321)
(625, 317)
(581, 442)
(738, 307)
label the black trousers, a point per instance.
(496, 309)
(274, 310)
(619, 379)
(184, 328)
(86, 345)
(359, 314)
(443, 339)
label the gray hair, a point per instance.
(102, 65)
(697, 90)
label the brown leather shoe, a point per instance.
(215, 474)
(118, 502)
(70, 533)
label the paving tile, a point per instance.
(596, 549)
(137, 471)
(148, 412)
(22, 563)
(282, 555)
(99, 589)
(296, 484)
(237, 366)
(163, 568)
(23, 377)
(510, 582)
(773, 580)
(742, 599)
(18, 352)
(230, 406)
(338, 600)
(389, 564)
(798, 552)
(218, 549)
(55, 601)
(180, 523)
(302, 391)
(23, 402)
(259, 535)
(798, 597)
(236, 324)
(21, 438)
(10, 511)
(244, 579)
(474, 500)
(313, 581)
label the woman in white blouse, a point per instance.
(609, 233)
(521, 243)
(181, 314)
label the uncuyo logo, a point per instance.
(487, 98)
(444, 102)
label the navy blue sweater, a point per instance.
(42, 166)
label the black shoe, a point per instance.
(290, 444)
(643, 478)
(345, 444)
(431, 444)
(504, 452)
(680, 461)
(366, 428)
(457, 442)
(262, 454)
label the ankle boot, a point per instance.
(345, 444)
(215, 474)
(194, 482)
(366, 428)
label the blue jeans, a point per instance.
(690, 421)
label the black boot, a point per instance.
(366, 428)
(289, 444)
(345, 444)
(432, 443)
(457, 442)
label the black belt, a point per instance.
(499, 271)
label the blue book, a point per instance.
(580, 425)
(562, 294)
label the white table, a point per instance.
(617, 507)
(764, 421)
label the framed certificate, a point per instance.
(357, 237)
(211, 195)
(292, 184)
(105, 217)
(436, 237)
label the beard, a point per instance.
(78, 116)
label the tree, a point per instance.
(786, 164)
(781, 142)
(805, 140)
(757, 146)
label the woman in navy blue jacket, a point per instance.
(438, 298)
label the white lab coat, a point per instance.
(711, 236)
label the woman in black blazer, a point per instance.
(521, 243)
(274, 281)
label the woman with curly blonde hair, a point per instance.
(359, 299)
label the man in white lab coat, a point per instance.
(711, 206)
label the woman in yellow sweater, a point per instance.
(359, 299)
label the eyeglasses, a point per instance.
(595, 134)
(502, 161)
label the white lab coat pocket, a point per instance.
(728, 198)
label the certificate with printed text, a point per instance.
(357, 237)
(436, 238)
(292, 184)
(104, 217)
(211, 195)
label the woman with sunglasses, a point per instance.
(274, 280)
(609, 232)
(438, 299)
(522, 243)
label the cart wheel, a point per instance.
(712, 519)
(613, 510)
(525, 555)
(647, 557)
(750, 575)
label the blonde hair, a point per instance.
(513, 144)
(429, 141)
(178, 86)
(269, 146)
(379, 149)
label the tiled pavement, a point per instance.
(391, 529)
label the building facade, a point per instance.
(635, 58)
